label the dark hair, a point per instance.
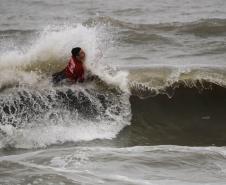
(75, 51)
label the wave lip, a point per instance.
(163, 80)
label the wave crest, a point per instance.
(153, 81)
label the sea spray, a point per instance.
(34, 113)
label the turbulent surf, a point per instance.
(155, 114)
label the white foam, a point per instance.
(53, 43)
(56, 134)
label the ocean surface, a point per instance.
(156, 114)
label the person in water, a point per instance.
(75, 69)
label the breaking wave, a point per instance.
(120, 104)
(34, 113)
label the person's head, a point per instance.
(78, 53)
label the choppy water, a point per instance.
(155, 116)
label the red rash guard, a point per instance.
(75, 70)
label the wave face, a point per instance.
(190, 117)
